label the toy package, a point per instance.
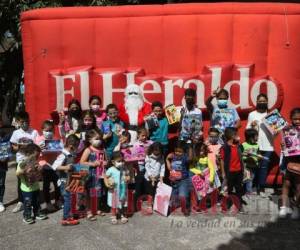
(162, 198)
(274, 122)
(77, 178)
(134, 153)
(5, 151)
(191, 127)
(172, 114)
(151, 122)
(53, 146)
(32, 171)
(291, 140)
(201, 183)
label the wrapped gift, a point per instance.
(274, 122)
(162, 198)
(172, 114)
(291, 140)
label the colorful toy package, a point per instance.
(172, 114)
(53, 146)
(5, 150)
(162, 198)
(151, 122)
(291, 140)
(274, 122)
(191, 126)
(134, 153)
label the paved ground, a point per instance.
(260, 229)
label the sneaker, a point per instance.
(28, 221)
(19, 207)
(41, 216)
(295, 214)
(69, 222)
(2, 208)
(50, 207)
(283, 212)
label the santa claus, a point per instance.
(134, 109)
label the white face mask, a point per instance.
(96, 143)
(118, 164)
(155, 156)
(95, 107)
(48, 135)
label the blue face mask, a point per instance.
(222, 103)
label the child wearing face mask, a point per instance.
(19, 139)
(69, 122)
(232, 166)
(95, 103)
(214, 143)
(47, 159)
(116, 179)
(63, 166)
(155, 168)
(94, 157)
(222, 116)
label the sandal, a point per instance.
(124, 219)
(114, 220)
(91, 217)
(100, 213)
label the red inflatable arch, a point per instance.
(246, 48)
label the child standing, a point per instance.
(142, 144)
(232, 165)
(47, 158)
(222, 116)
(178, 164)
(111, 129)
(154, 168)
(29, 173)
(250, 158)
(5, 134)
(292, 177)
(63, 164)
(19, 139)
(214, 144)
(94, 157)
(95, 103)
(160, 132)
(116, 179)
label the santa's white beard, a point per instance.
(132, 105)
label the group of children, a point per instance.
(97, 141)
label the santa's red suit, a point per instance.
(145, 110)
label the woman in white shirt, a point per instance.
(265, 141)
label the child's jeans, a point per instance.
(67, 201)
(31, 201)
(248, 186)
(2, 184)
(181, 190)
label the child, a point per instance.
(94, 157)
(87, 123)
(47, 158)
(177, 164)
(191, 126)
(202, 163)
(116, 179)
(63, 164)
(143, 144)
(5, 134)
(160, 132)
(291, 179)
(222, 116)
(95, 103)
(232, 165)
(265, 141)
(111, 129)
(124, 141)
(154, 168)
(214, 144)
(69, 123)
(250, 158)
(19, 139)
(29, 173)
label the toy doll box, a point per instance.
(291, 140)
(53, 146)
(162, 199)
(5, 150)
(136, 153)
(274, 122)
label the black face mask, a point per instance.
(75, 113)
(262, 106)
(190, 101)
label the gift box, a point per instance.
(172, 114)
(5, 150)
(291, 140)
(274, 122)
(162, 198)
